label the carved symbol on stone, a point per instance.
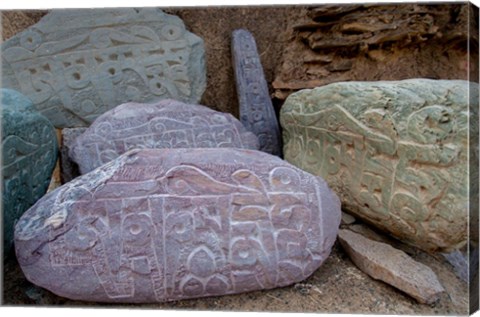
(159, 225)
(75, 71)
(393, 150)
(167, 124)
(256, 109)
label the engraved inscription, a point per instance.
(187, 227)
(256, 109)
(29, 153)
(401, 166)
(76, 71)
(167, 124)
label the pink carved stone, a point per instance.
(167, 224)
(166, 124)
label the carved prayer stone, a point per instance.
(256, 109)
(167, 224)
(76, 64)
(29, 153)
(395, 152)
(167, 124)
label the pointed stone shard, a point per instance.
(256, 110)
(392, 266)
(166, 124)
(170, 224)
(396, 152)
(347, 219)
(29, 153)
(76, 64)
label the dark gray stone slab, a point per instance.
(68, 168)
(256, 109)
(29, 154)
(169, 224)
(167, 124)
(76, 64)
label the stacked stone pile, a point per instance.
(174, 200)
(164, 199)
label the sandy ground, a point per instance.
(338, 286)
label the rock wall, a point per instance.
(378, 42)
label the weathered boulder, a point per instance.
(392, 266)
(76, 64)
(395, 152)
(256, 109)
(169, 224)
(29, 154)
(167, 124)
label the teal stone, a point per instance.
(29, 154)
(76, 64)
(398, 153)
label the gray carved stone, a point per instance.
(256, 110)
(385, 263)
(76, 64)
(167, 124)
(68, 168)
(29, 153)
(169, 224)
(395, 152)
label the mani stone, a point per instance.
(256, 110)
(392, 266)
(160, 225)
(29, 153)
(76, 64)
(167, 124)
(396, 152)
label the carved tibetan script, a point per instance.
(29, 153)
(167, 124)
(396, 152)
(76, 64)
(160, 225)
(256, 109)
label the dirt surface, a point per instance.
(338, 286)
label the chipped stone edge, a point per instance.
(69, 192)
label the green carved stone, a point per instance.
(395, 152)
(29, 153)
